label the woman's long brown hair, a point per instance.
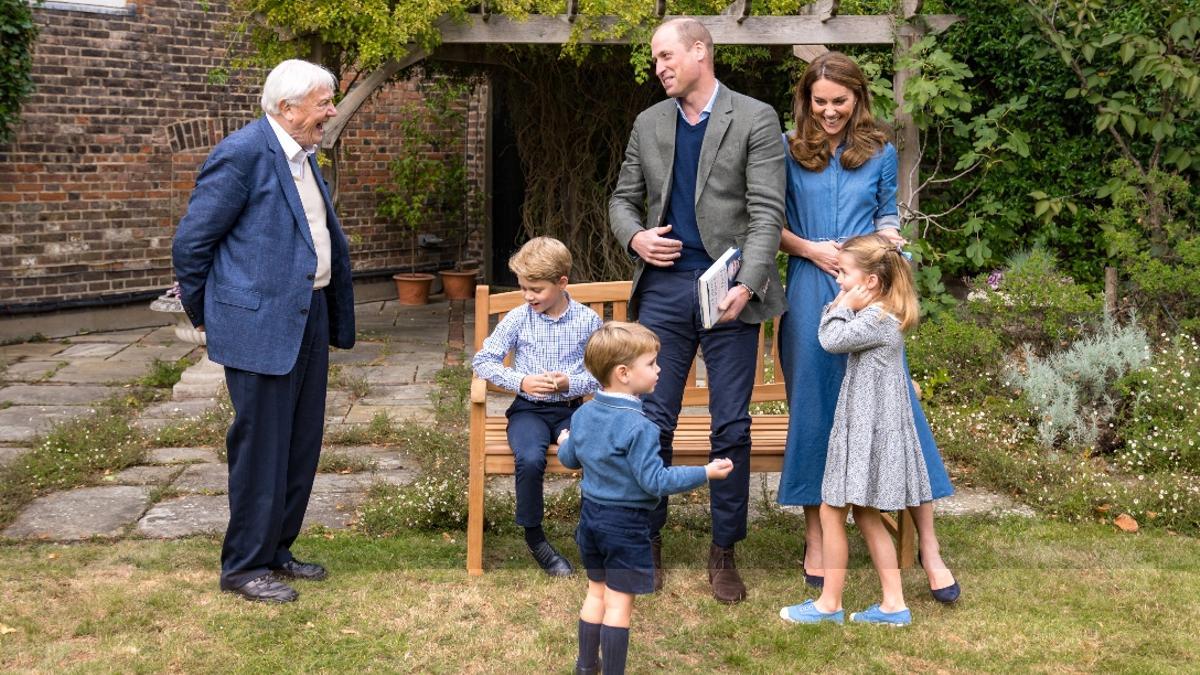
(809, 144)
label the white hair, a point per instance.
(292, 81)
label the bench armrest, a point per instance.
(478, 390)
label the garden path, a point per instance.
(180, 491)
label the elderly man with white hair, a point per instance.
(264, 270)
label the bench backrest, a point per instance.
(610, 300)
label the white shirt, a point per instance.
(310, 199)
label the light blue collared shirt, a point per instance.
(707, 109)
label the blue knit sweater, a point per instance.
(617, 447)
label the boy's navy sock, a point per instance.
(534, 535)
(614, 644)
(589, 645)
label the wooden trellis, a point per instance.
(818, 24)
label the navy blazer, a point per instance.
(245, 260)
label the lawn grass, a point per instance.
(1038, 596)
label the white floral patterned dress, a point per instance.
(874, 457)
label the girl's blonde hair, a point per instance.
(864, 135)
(874, 254)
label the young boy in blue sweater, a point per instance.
(617, 447)
(546, 336)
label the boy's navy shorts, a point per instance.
(614, 545)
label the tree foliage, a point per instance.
(17, 35)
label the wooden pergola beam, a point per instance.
(726, 30)
(363, 91)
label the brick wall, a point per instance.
(106, 153)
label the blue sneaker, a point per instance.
(807, 612)
(873, 614)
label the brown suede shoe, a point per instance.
(656, 553)
(723, 575)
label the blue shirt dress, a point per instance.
(834, 204)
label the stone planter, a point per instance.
(202, 379)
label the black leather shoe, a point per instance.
(265, 588)
(294, 569)
(551, 560)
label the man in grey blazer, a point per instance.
(264, 269)
(708, 166)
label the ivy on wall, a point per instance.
(17, 34)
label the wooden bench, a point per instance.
(490, 454)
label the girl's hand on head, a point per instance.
(858, 297)
(837, 301)
(824, 254)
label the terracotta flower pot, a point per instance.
(412, 288)
(459, 285)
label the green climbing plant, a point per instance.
(17, 35)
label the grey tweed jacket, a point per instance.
(740, 188)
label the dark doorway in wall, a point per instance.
(508, 193)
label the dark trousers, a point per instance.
(532, 427)
(668, 305)
(274, 444)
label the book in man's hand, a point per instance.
(716, 281)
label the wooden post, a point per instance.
(908, 140)
(1110, 292)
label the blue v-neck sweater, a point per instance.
(681, 209)
(617, 446)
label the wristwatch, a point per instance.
(748, 289)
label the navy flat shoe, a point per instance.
(946, 596)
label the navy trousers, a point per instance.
(668, 306)
(274, 444)
(532, 427)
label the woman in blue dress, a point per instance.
(841, 173)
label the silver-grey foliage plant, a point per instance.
(1072, 391)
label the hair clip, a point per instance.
(907, 255)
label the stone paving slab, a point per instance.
(405, 357)
(413, 394)
(210, 478)
(181, 456)
(121, 336)
(147, 353)
(384, 459)
(99, 350)
(163, 335)
(8, 455)
(81, 514)
(97, 372)
(144, 475)
(56, 395)
(333, 510)
(178, 410)
(27, 350)
(976, 501)
(363, 352)
(363, 414)
(383, 375)
(185, 516)
(31, 370)
(21, 423)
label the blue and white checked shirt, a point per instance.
(541, 344)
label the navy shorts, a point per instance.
(614, 545)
